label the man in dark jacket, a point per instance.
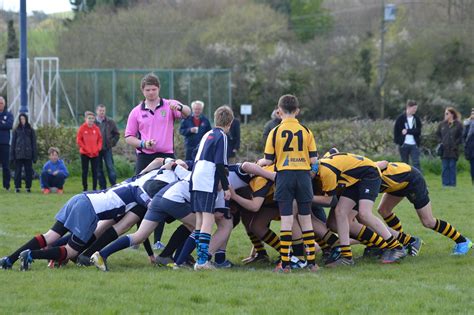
(6, 125)
(269, 125)
(407, 132)
(110, 137)
(233, 140)
(193, 129)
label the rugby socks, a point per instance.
(297, 248)
(310, 244)
(121, 243)
(55, 253)
(35, 243)
(159, 232)
(187, 249)
(393, 243)
(330, 238)
(285, 243)
(196, 237)
(393, 222)
(203, 248)
(368, 237)
(219, 256)
(272, 239)
(448, 230)
(176, 240)
(62, 241)
(346, 251)
(105, 239)
(257, 244)
(405, 238)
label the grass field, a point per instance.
(433, 282)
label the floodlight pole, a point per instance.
(23, 56)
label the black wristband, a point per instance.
(180, 109)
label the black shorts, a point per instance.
(291, 185)
(416, 191)
(203, 201)
(365, 189)
(161, 210)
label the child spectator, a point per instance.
(208, 173)
(89, 141)
(54, 173)
(23, 152)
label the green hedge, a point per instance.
(367, 137)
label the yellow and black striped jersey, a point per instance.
(262, 187)
(341, 170)
(290, 145)
(395, 177)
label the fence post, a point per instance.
(114, 94)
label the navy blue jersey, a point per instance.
(212, 151)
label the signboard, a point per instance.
(390, 12)
(246, 109)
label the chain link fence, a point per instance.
(119, 90)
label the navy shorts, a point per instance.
(365, 189)
(79, 217)
(162, 210)
(291, 185)
(416, 191)
(203, 201)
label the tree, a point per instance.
(12, 45)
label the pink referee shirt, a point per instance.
(145, 124)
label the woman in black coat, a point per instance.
(23, 152)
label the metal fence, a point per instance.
(119, 90)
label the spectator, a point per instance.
(450, 136)
(23, 152)
(110, 137)
(407, 132)
(54, 173)
(150, 124)
(269, 125)
(233, 140)
(89, 141)
(6, 125)
(193, 128)
(469, 142)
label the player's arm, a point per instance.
(252, 205)
(269, 154)
(255, 169)
(156, 163)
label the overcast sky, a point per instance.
(47, 6)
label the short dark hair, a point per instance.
(150, 79)
(288, 103)
(411, 103)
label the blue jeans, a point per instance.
(448, 173)
(106, 156)
(407, 150)
(49, 180)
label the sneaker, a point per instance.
(25, 260)
(206, 266)
(60, 191)
(280, 269)
(224, 265)
(256, 259)
(182, 266)
(83, 261)
(99, 262)
(5, 263)
(46, 191)
(17, 190)
(312, 268)
(462, 248)
(296, 263)
(163, 261)
(159, 245)
(415, 246)
(28, 190)
(340, 261)
(334, 255)
(372, 252)
(391, 256)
